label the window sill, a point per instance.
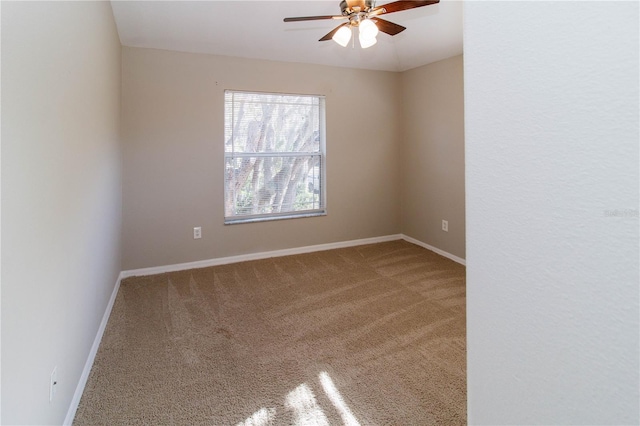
(236, 221)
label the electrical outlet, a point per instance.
(53, 383)
(445, 225)
(197, 232)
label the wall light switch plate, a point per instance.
(197, 232)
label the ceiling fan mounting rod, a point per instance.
(356, 18)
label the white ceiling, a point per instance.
(254, 29)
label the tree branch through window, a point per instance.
(274, 156)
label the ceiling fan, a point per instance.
(364, 15)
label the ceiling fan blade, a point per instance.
(388, 27)
(398, 6)
(311, 18)
(335, 30)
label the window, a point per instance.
(274, 156)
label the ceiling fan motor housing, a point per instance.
(363, 5)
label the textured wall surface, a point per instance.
(173, 124)
(432, 185)
(551, 105)
(61, 197)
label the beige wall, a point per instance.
(172, 126)
(432, 156)
(61, 197)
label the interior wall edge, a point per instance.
(432, 155)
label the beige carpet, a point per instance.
(366, 335)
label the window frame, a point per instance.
(321, 153)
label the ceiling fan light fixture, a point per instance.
(368, 29)
(342, 36)
(367, 42)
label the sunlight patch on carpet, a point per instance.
(262, 417)
(305, 407)
(336, 399)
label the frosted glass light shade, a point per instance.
(367, 42)
(368, 29)
(342, 36)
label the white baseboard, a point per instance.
(75, 401)
(256, 256)
(435, 249)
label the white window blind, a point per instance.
(274, 156)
